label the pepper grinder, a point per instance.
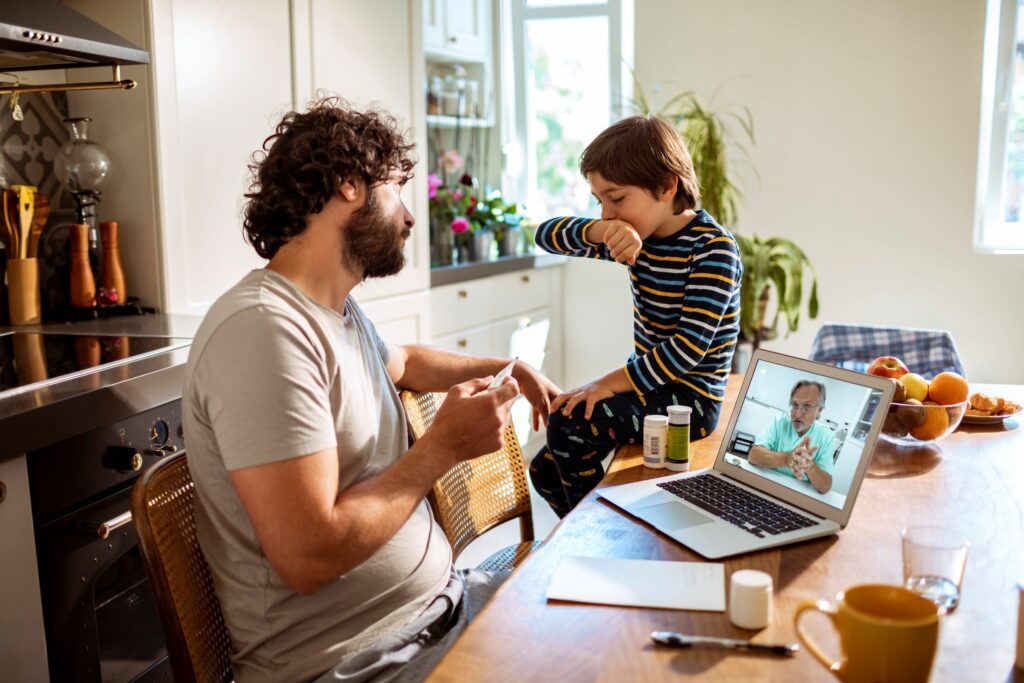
(83, 285)
(112, 290)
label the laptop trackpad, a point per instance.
(671, 516)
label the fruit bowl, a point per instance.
(914, 424)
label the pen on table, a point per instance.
(681, 640)
(505, 372)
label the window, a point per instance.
(999, 217)
(564, 86)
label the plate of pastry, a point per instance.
(985, 409)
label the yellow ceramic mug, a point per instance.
(886, 633)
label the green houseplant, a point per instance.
(774, 263)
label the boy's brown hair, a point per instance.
(644, 151)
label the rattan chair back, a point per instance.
(478, 494)
(197, 639)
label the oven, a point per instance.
(99, 611)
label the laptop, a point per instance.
(793, 483)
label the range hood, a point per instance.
(45, 34)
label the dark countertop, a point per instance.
(463, 272)
(60, 409)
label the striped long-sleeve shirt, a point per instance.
(686, 301)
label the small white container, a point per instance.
(655, 441)
(750, 599)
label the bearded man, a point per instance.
(310, 504)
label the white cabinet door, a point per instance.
(467, 27)
(433, 25)
(478, 341)
(401, 319)
(527, 337)
(370, 53)
(223, 79)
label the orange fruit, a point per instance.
(936, 422)
(948, 388)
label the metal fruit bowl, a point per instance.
(910, 424)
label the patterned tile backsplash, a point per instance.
(28, 147)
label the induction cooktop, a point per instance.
(36, 358)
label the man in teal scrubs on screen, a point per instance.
(795, 443)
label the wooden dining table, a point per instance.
(971, 481)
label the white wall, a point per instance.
(866, 116)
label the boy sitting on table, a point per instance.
(685, 273)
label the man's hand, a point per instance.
(538, 390)
(801, 459)
(622, 240)
(470, 421)
(593, 392)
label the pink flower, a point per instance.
(457, 195)
(450, 160)
(433, 183)
(460, 225)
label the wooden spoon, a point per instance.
(25, 195)
(10, 202)
(42, 213)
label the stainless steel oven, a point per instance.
(99, 611)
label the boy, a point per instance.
(685, 275)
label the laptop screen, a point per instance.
(803, 430)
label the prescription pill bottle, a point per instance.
(677, 455)
(655, 440)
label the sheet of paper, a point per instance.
(640, 583)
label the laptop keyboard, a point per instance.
(736, 505)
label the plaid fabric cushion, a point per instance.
(926, 352)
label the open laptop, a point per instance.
(738, 506)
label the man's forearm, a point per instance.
(430, 369)
(820, 479)
(365, 516)
(763, 457)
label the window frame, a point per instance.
(516, 172)
(991, 233)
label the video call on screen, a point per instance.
(835, 425)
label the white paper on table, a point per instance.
(640, 583)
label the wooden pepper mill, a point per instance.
(112, 292)
(83, 285)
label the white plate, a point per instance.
(986, 419)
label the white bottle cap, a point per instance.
(679, 415)
(750, 599)
(656, 421)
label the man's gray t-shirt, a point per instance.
(273, 375)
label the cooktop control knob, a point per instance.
(123, 458)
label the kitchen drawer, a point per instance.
(476, 340)
(522, 291)
(461, 305)
(525, 335)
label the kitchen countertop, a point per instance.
(463, 272)
(33, 418)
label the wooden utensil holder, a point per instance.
(23, 290)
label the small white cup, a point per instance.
(750, 599)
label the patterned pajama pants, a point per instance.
(569, 466)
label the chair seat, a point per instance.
(507, 559)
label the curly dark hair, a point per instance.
(302, 165)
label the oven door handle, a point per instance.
(103, 529)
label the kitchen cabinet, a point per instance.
(512, 314)
(23, 645)
(457, 30)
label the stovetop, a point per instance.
(29, 359)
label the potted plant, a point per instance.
(775, 262)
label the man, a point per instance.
(797, 444)
(309, 503)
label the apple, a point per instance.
(888, 366)
(916, 385)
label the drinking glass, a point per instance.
(933, 564)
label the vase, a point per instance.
(480, 245)
(441, 245)
(510, 240)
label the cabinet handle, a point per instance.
(453, 39)
(463, 294)
(103, 529)
(461, 343)
(524, 323)
(525, 279)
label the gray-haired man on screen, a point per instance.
(795, 443)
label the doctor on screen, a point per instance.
(795, 443)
